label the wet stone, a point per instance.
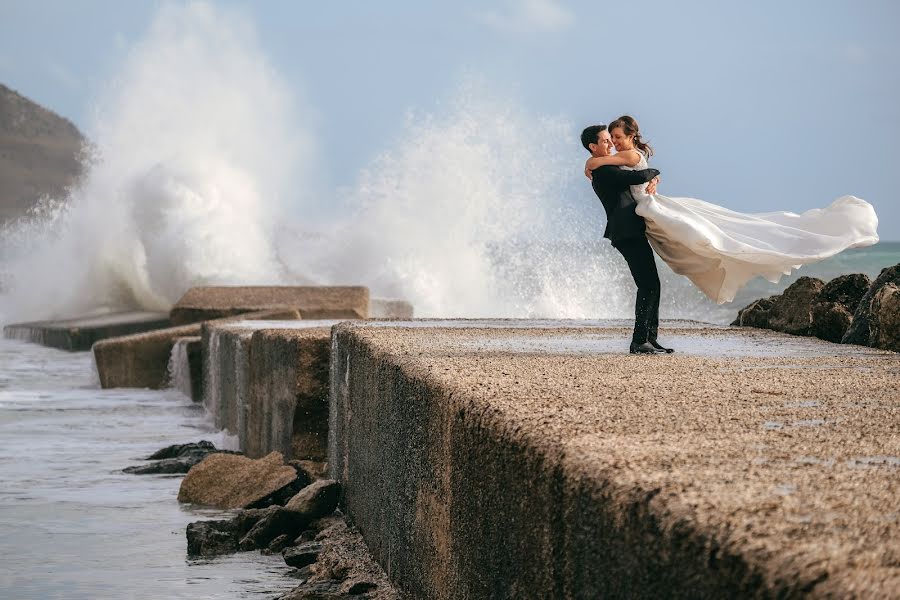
(271, 526)
(316, 500)
(302, 555)
(211, 538)
(177, 450)
(279, 543)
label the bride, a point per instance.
(719, 249)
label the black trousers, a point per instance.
(639, 256)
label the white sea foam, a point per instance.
(195, 146)
(472, 212)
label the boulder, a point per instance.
(316, 500)
(833, 307)
(302, 555)
(313, 470)
(176, 450)
(166, 466)
(275, 523)
(281, 496)
(316, 590)
(885, 320)
(211, 538)
(179, 458)
(792, 311)
(279, 543)
(234, 481)
(861, 330)
(755, 314)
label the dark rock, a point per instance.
(755, 314)
(177, 450)
(319, 590)
(177, 459)
(316, 500)
(181, 464)
(308, 535)
(867, 323)
(272, 525)
(211, 538)
(281, 496)
(885, 321)
(302, 555)
(361, 587)
(792, 311)
(279, 543)
(313, 470)
(246, 519)
(833, 307)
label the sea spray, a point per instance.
(195, 148)
(474, 212)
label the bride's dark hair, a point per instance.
(630, 127)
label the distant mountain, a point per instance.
(39, 153)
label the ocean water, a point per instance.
(72, 525)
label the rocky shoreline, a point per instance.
(284, 508)
(850, 309)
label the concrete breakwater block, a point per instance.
(267, 383)
(80, 333)
(142, 360)
(313, 302)
(500, 459)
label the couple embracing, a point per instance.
(718, 249)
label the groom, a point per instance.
(626, 230)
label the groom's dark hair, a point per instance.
(589, 135)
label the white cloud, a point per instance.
(529, 16)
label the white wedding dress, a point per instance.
(720, 250)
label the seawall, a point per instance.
(504, 459)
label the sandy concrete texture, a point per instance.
(142, 360)
(499, 459)
(80, 333)
(288, 393)
(313, 302)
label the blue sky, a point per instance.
(765, 105)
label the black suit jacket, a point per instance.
(613, 186)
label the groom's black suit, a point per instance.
(626, 230)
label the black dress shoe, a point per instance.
(644, 348)
(659, 348)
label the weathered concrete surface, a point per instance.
(279, 399)
(313, 302)
(142, 360)
(288, 392)
(502, 460)
(80, 333)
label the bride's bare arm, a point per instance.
(628, 158)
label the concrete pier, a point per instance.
(510, 459)
(80, 333)
(142, 360)
(267, 383)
